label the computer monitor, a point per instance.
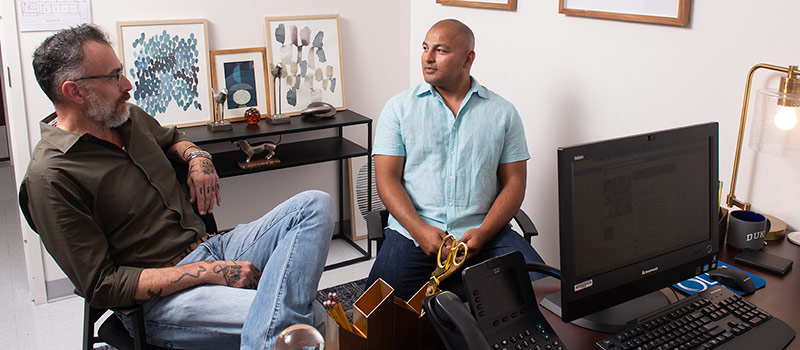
(636, 214)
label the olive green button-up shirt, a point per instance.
(105, 213)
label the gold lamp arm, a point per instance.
(731, 199)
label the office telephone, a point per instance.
(505, 314)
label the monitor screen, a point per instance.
(636, 214)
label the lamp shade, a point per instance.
(776, 123)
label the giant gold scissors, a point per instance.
(454, 256)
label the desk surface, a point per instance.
(780, 297)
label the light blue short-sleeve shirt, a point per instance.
(450, 171)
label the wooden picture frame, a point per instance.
(310, 45)
(671, 12)
(167, 63)
(489, 4)
(243, 72)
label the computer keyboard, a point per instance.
(713, 319)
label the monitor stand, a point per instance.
(613, 319)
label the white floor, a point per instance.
(58, 324)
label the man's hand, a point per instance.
(475, 239)
(239, 274)
(429, 239)
(203, 184)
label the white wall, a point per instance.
(371, 53)
(577, 79)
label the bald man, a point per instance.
(450, 158)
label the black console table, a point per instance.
(298, 153)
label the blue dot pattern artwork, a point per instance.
(165, 69)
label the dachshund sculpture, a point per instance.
(253, 150)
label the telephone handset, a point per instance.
(505, 314)
(453, 323)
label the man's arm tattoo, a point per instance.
(153, 294)
(231, 273)
(192, 169)
(207, 166)
(199, 271)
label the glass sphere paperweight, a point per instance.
(252, 116)
(300, 336)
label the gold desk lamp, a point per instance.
(774, 130)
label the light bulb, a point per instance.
(786, 118)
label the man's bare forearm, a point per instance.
(160, 282)
(396, 200)
(389, 173)
(388, 176)
(512, 191)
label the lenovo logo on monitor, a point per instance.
(649, 271)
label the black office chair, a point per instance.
(113, 331)
(378, 219)
(377, 216)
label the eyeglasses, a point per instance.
(116, 75)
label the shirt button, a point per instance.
(452, 152)
(454, 128)
(451, 204)
(452, 177)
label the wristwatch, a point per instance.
(198, 153)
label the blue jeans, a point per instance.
(289, 245)
(404, 266)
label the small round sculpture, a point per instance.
(300, 336)
(252, 116)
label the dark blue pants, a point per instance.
(404, 266)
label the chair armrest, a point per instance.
(376, 221)
(113, 328)
(526, 225)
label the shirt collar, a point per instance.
(62, 139)
(426, 88)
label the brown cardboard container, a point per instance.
(382, 321)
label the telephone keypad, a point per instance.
(524, 340)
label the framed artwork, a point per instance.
(490, 4)
(309, 48)
(360, 192)
(672, 12)
(358, 225)
(167, 64)
(243, 73)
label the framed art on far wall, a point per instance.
(492, 4)
(167, 64)
(243, 73)
(672, 12)
(310, 50)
